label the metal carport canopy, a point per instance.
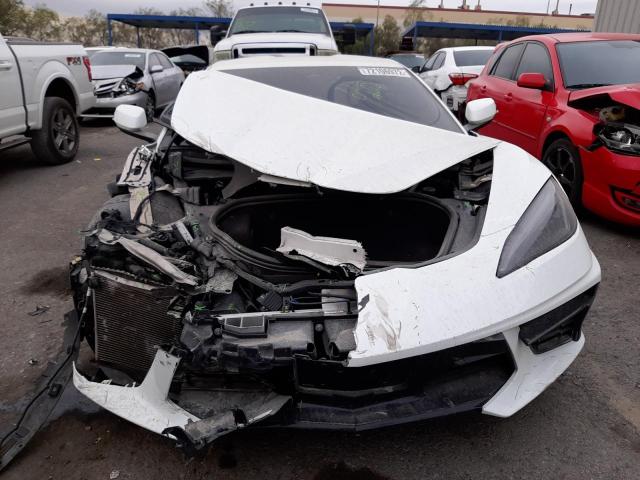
(200, 23)
(475, 31)
(164, 21)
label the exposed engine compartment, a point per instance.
(250, 281)
(618, 126)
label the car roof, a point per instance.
(579, 37)
(305, 61)
(462, 49)
(131, 50)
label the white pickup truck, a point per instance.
(43, 87)
(267, 28)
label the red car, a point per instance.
(573, 101)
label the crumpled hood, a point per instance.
(296, 137)
(104, 72)
(625, 94)
(323, 42)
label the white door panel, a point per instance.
(12, 120)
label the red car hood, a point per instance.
(625, 94)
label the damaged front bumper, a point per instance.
(106, 106)
(497, 375)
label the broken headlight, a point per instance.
(619, 137)
(548, 222)
(128, 87)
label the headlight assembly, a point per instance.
(546, 223)
(222, 55)
(619, 137)
(128, 87)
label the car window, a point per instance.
(506, 65)
(597, 63)
(279, 19)
(164, 61)
(536, 60)
(392, 92)
(439, 61)
(153, 60)
(119, 58)
(430, 62)
(467, 58)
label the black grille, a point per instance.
(273, 50)
(131, 321)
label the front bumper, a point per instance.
(106, 106)
(497, 375)
(607, 177)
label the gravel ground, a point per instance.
(586, 425)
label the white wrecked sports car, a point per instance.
(317, 242)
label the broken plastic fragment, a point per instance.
(150, 256)
(326, 250)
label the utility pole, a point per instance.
(548, 5)
(377, 13)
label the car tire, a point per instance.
(150, 106)
(563, 159)
(58, 139)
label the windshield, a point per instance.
(409, 61)
(470, 58)
(188, 58)
(279, 19)
(599, 63)
(119, 58)
(392, 92)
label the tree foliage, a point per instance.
(219, 8)
(42, 23)
(387, 37)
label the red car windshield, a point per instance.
(599, 63)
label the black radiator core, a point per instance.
(131, 320)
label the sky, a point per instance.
(80, 7)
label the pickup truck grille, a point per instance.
(274, 49)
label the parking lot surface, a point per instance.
(586, 425)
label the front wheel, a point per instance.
(563, 159)
(57, 140)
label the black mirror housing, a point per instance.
(216, 33)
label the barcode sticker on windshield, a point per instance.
(132, 55)
(384, 71)
(309, 10)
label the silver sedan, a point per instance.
(133, 76)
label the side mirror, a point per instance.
(156, 68)
(416, 69)
(532, 80)
(349, 35)
(481, 111)
(130, 118)
(216, 34)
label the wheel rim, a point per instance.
(150, 107)
(563, 165)
(65, 133)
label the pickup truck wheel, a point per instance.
(563, 159)
(58, 139)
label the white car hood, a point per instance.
(296, 137)
(323, 42)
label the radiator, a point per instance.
(131, 320)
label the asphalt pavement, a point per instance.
(585, 426)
